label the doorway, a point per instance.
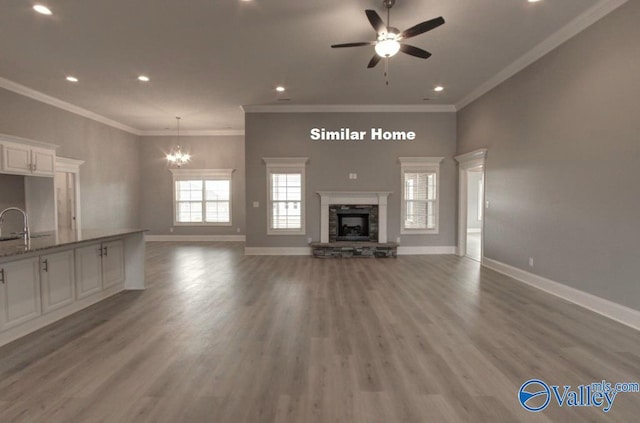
(475, 199)
(67, 192)
(471, 204)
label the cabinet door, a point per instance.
(112, 263)
(43, 161)
(88, 270)
(20, 292)
(57, 280)
(16, 158)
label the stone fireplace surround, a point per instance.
(332, 198)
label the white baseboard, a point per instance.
(474, 230)
(194, 238)
(614, 311)
(277, 251)
(418, 251)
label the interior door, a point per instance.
(66, 200)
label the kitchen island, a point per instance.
(54, 274)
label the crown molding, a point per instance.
(575, 26)
(60, 104)
(195, 133)
(349, 108)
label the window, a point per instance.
(202, 196)
(285, 185)
(420, 202)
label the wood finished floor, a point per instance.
(220, 337)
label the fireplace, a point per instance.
(358, 203)
(353, 223)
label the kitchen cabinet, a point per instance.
(27, 159)
(19, 292)
(99, 266)
(57, 280)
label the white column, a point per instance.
(324, 219)
(382, 218)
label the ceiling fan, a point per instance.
(390, 39)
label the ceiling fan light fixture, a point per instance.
(387, 47)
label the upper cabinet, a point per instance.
(26, 157)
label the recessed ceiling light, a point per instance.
(280, 89)
(144, 78)
(44, 10)
(72, 79)
(438, 88)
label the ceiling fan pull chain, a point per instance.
(386, 70)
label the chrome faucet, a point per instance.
(25, 230)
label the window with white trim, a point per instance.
(286, 190)
(202, 197)
(420, 194)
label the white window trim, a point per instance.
(286, 165)
(204, 174)
(420, 164)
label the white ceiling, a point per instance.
(207, 58)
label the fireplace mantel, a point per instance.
(353, 198)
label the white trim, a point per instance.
(194, 133)
(60, 104)
(64, 164)
(178, 174)
(607, 308)
(350, 108)
(576, 25)
(426, 250)
(328, 198)
(421, 165)
(277, 251)
(287, 165)
(474, 230)
(467, 161)
(205, 175)
(285, 161)
(194, 238)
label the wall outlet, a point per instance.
(530, 261)
(256, 204)
(309, 240)
(398, 240)
(171, 229)
(486, 204)
(238, 230)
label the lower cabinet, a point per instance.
(99, 266)
(19, 292)
(57, 280)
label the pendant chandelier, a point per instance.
(176, 157)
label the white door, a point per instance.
(65, 185)
(88, 270)
(20, 292)
(57, 280)
(112, 263)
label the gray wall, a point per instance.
(330, 162)
(208, 152)
(563, 166)
(109, 177)
(11, 195)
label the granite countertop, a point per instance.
(48, 240)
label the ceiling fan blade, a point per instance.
(376, 21)
(423, 27)
(374, 61)
(414, 51)
(367, 43)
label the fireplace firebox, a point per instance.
(353, 223)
